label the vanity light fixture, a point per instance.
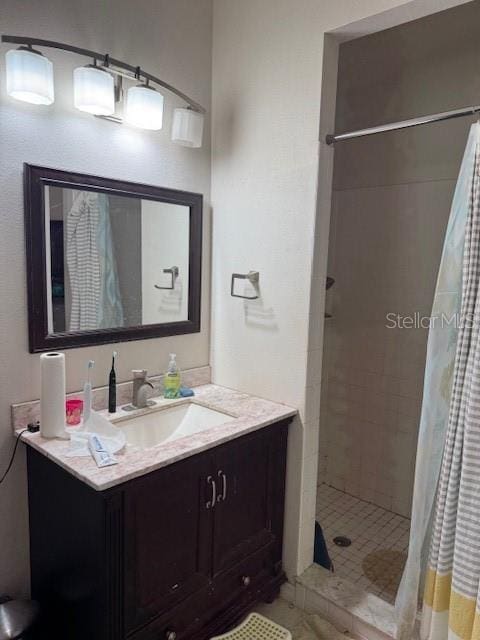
(98, 86)
(29, 76)
(144, 107)
(94, 90)
(187, 128)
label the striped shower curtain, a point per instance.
(95, 301)
(437, 392)
(83, 261)
(451, 608)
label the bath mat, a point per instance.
(315, 628)
(256, 627)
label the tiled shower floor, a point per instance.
(375, 559)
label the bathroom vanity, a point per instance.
(179, 551)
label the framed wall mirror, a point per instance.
(109, 261)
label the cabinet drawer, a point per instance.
(235, 593)
(246, 577)
(225, 595)
(181, 621)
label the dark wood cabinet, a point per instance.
(167, 540)
(241, 518)
(180, 553)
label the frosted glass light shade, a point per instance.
(187, 128)
(144, 108)
(94, 91)
(29, 76)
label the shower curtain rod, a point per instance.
(404, 124)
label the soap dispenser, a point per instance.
(171, 380)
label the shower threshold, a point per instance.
(344, 604)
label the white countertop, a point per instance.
(249, 413)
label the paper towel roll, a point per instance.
(52, 397)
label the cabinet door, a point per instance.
(167, 539)
(241, 516)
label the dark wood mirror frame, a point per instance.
(35, 180)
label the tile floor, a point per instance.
(291, 617)
(375, 559)
(282, 612)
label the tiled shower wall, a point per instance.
(391, 201)
(387, 246)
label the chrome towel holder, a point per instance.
(174, 273)
(252, 276)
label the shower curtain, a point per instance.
(453, 575)
(437, 392)
(95, 301)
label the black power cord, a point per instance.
(32, 428)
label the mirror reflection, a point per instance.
(114, 260)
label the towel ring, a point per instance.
(174, 272)
(252, 276)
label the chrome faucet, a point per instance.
(140, 384)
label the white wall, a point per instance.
(165, 243)
(172, 39)
(267, 72)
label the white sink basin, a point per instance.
(171, 423)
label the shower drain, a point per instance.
(342, 541)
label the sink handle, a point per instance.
(211, 503)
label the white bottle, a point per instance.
(171, 380)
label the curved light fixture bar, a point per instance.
(112, 64)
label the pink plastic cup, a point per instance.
(74, 408)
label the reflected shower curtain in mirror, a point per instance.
(438, 399)
(93, 283)
(110, 311)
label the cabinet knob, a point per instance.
(171, 635)
(246, 581)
